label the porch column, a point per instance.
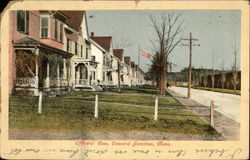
(72, 74)
(77, 74)
(89, 74)
(47, 78)
(58, 75)
(64, 69)
(36, 93)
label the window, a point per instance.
(44, 27)
(87, 54)
(81, 50)
(55, 29)
(23, 21)
(93, 75)
(76, 48)
(103, 76)
(61, 32)
(103, 60)
(68, 45)
(81, 72)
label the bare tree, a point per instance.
(168, 37)
(223, 80)
(235, 68)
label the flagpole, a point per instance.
(139, 56)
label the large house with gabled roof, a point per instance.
(51, 51)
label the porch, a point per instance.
(40, 67)
(85, 75)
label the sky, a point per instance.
(218, 32)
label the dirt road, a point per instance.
(227, 104)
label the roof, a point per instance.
(97, 45)
(127, 60)
(118, 53)
(74, 19)
(30, 42)
(103, 41)
(27, 40)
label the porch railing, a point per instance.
(109, 83)
(81, 81)
(53, 82)
(25, 82)
(64, 82)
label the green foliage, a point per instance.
(54, 60)
(25, 64)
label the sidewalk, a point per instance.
(229, 128)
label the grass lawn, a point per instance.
(68, 115)
(136, 89)
(229, 91)
(128, 99)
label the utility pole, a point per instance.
(190, 39)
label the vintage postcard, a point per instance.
(125, 80)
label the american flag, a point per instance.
(145, 54)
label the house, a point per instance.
(99, 53)
(38, 60)
(105, 42)
(132, 71)
(84, 64)
(141, 76)
(118, 53)
(127, 71)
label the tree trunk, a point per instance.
(163, 85)
(235, 84)
(223, 85)
(212, 78)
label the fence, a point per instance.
(93, 109)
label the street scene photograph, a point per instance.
(124, 75)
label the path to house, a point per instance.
(229, 128)
(227, 104)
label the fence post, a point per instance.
(212, 113)
(156, 109)
(40, 102)
(96, 105)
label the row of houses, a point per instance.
(53, 50)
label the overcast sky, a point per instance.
(217, 31)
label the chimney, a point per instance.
(92, 34)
